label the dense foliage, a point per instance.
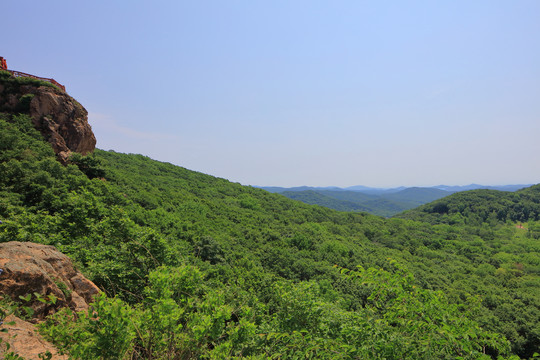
(194, 266)
(476, 207)
(318, 198)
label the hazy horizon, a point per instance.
(308, 92)
(391, 187)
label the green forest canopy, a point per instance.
(195, 266)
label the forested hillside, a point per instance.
(383, 203)
(319, 198)
(195, 266)
(476, 207)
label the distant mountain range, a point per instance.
(378, 201)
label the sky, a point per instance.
(304, 92)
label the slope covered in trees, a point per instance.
(476, 207)
(383, 203)
(195, 266)
(319, 198)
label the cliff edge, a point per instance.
(62, 121)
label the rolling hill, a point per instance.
(265, 255)
(193, 266)
(382, 202)
(386, 204)
(481, 206)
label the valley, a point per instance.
(193, 266)
(378, 201)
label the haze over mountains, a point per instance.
(378, 201)
(193, 266)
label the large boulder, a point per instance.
(29, 268)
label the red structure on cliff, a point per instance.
(3, 66)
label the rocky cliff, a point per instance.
(30, 269)
(62, 121)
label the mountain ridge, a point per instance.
(193, 266)
(367, 189)
(378, 201)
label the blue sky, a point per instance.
(289, 93)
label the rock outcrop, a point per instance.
(61, 119)
(26, 342)
(27, 269)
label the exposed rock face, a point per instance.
(29, 268)
(26, 342)
(61, 119)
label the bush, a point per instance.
(89, 165)
(24, 102)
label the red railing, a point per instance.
(52, 81)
